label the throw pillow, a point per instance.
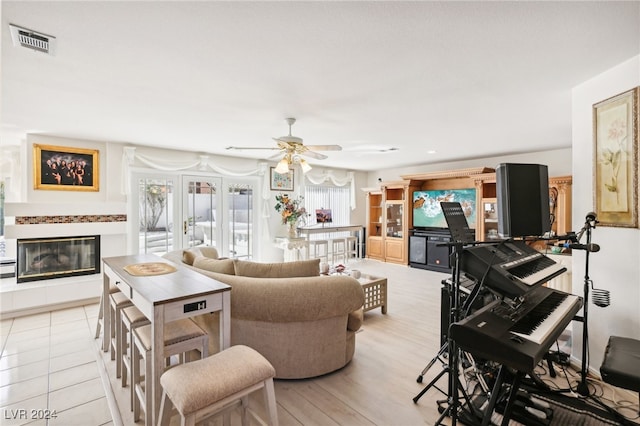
(222, 266)
(188, 256)
(302, 268)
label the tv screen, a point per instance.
(427, 213)
(323, 216)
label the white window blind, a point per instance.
(328, 197)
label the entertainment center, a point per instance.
(405, 224)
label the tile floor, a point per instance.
(49, 370)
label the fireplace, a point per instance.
(57, 257)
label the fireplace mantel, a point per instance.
(55, 220)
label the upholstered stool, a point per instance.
(621, 364)
(180, 337)
(351, 250)
(118, 302)
(338, 250)
(319, 249)
(132, 318)
(216, 384)
(112, 289)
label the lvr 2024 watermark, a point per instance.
(28, 414)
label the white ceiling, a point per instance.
(464, 79)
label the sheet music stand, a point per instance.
(461, 235)
(457, 223)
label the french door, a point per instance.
(155, 215)
(185, 211)
(202, 204)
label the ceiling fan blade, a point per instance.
(248, 147)
(315, 155)
(324, 147)
(275, 157)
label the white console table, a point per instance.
(294, 248)
(356, 230)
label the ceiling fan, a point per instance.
(294, 149)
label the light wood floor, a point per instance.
(377, 387)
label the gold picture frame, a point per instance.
(62, 168)
(615, 130)
(281, 182)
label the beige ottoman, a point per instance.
(216, 384)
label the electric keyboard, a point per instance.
(520, 336)
(511, 268)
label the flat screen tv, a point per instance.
(427, 213)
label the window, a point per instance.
(338, 199)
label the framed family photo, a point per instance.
(281, 182)
(615, 122)
(65, 168)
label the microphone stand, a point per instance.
(582, 387)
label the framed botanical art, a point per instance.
(65, 168)
(615, 122)
(281, 182)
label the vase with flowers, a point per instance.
(291, 211)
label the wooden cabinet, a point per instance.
(560, 204)
(487, 211)
(387, 222)
(390, 211)
(375, 218)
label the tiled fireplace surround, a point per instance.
(38, 296)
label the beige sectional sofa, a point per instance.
(302, 322)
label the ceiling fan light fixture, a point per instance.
(304, 165)
(283, 166)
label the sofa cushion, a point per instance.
(222, 266)
(188, 256)
(302, 268)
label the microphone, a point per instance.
(591, 247)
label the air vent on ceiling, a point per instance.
(32, 39)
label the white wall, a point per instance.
(616, 267)
(25, 201)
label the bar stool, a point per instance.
(112, 289)
(132, 318)
(338, 250)
(118, 302)
(180, 336)
(319, 249)
(351, 250)
(213, 386)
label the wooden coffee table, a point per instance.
(375, 292)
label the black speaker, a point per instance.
(523, 199)
(418, 249)
(438, 252)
